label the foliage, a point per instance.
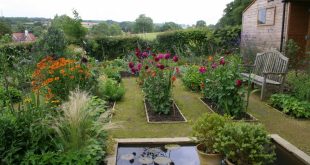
(5, 39)
(300, 84)
(245, 144)
(110, 89)
(156, 75)
(193, 79)
(25, 130)
(53, 41)
(169, 26)
(199, 42)
(104, 29)
(291, 51)
(72, 27)
(57, 77)
(233, 13)
(13, 95)
(223, 86)
(201, 24)
(143, 24)
(112, 47)
(113, 73)
(4, 28)
(207, 128)
(291, 105)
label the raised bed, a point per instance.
(213, 107)
(175, 115)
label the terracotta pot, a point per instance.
(208, 159)
(227, 162)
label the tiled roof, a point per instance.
(21, 37)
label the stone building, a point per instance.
(270, 23)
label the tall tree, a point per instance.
(143, 24)
(233, 13)
(170, 26)
(4, 28)
(127, 26)
(72, 27)
(53, 40)
(201, 24)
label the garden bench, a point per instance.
(269, 68)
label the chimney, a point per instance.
(26, 33)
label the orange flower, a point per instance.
(72, 77)
(202, 85)
(72, 69)
(50, 71)
(62, 71)
(80, 71)
(154, 74)
(173, 78)
(210, 58)
(56, 78)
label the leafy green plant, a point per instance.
(192, 78)
(12, 94)
(223, 86)
(291, 51)
(299, 83)
(113, 73)
(110, 89)
(291, 105)
(245, 144)
(206, 130)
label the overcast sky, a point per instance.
(179, 11)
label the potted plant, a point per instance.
(206, 130)
(245, 144)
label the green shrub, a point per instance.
(12, 94)
(291, 105)
(113, 73)
(105, 48)
(192, 79)
(206, 129)
(300, 84)
(111, 90)
(245, 144)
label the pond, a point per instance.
(153, 154)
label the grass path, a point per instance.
(131, 117)
(295, 131)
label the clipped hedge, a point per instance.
(112, 47)
(200, 41)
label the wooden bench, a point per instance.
(269, 68)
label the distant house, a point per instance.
(23, 37)
(270, 23)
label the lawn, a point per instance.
(130, 116)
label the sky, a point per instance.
(179, 11)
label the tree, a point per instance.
(6, 38)
(143, 24)
(233, 13)
(104, 29)
(54, 40)
(4, 29)
(200, 24)
(170, 26)
(72, 27)
(127, 26)
(115, 30)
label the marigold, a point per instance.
(72, 77)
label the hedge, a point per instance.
(17, 49)
(113, 47)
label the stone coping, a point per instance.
(291, 148)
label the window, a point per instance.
(261, 16)
(266, 16)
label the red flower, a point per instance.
(222, 61)
(177, 70)
(214, 65)
(173, 78)
(161, 56)
(162, 67)
(144, 54)
(139, 66)
(131, 65)
(202, 69)
(175, 58)
(167, 56)
(156, 59)
(133, 70)
(148, 48)
(238, 83)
